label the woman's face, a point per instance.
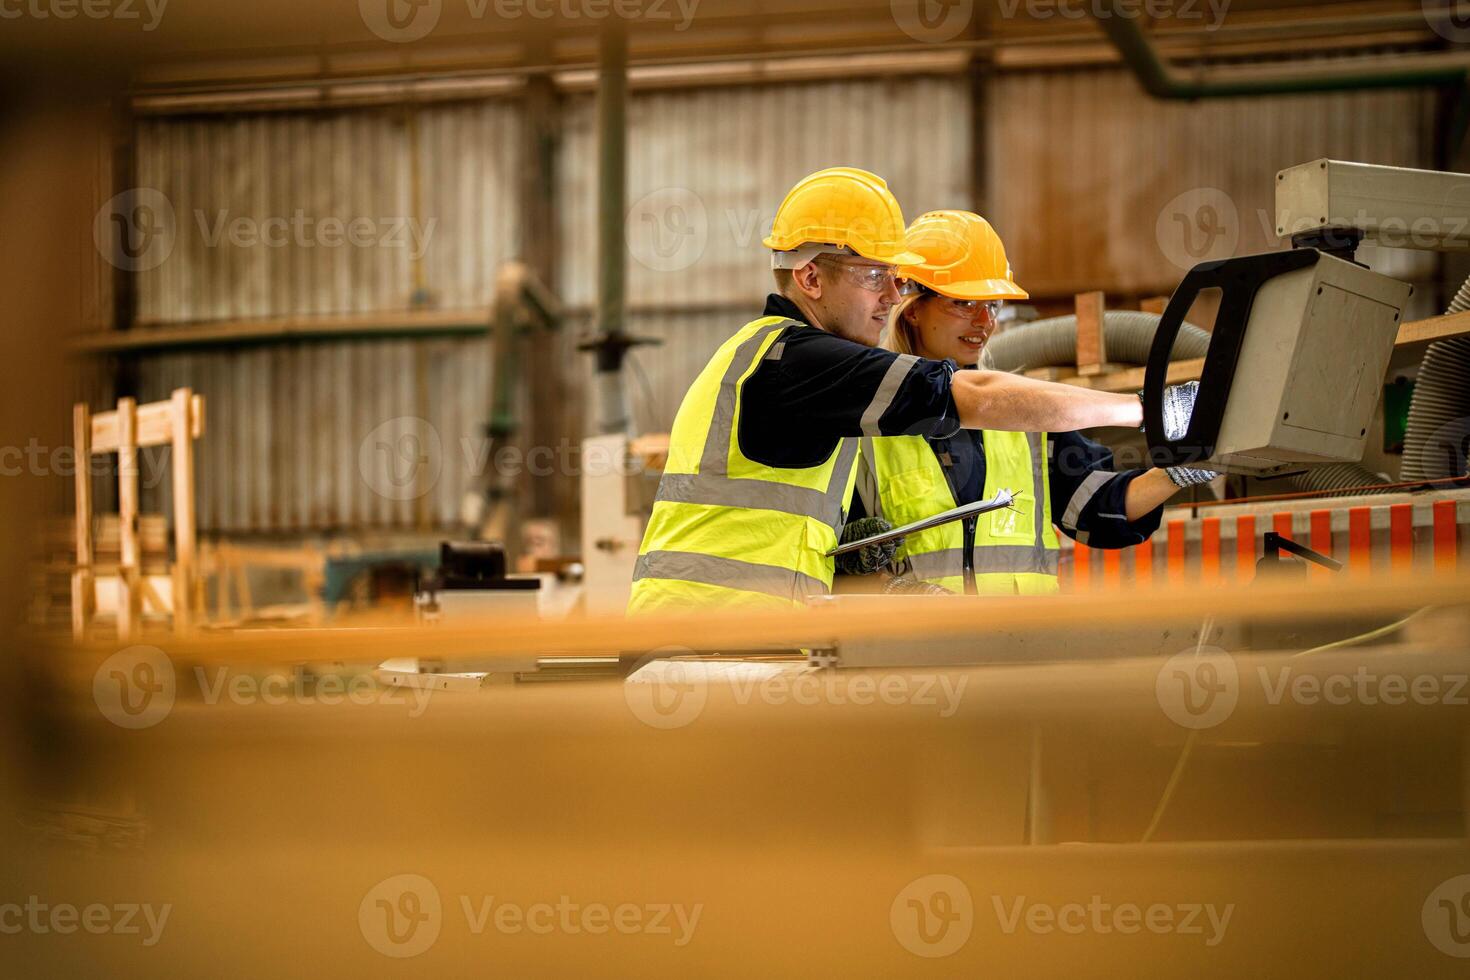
(956, 329)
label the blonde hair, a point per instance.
(900, 336)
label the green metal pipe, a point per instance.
(612, 165)
(1160, 81)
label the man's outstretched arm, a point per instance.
(1011, 403)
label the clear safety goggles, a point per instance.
(987, 310)
(874, 278)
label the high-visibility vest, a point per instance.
(728, 530)
(1016, 549)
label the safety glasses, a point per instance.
(970, 309)
(874, 278)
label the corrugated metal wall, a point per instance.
(1096, 185)
(1087, 176)
(380, 433)
(286, 422)
(253, 197)
(707, 169)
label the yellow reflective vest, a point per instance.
(726, 530)
(1016, 549)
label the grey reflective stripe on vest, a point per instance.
(712, 485)
(1083, 495)
(867, 480)
(722, 491)
(1042, 560)
(1013, 559)
(1010, 559)
(944, 563)
(730, 573)
(887, 391)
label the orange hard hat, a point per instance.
(963, 257)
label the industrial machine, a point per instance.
(470, 585)
(1304, 336)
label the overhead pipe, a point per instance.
(1162, 82)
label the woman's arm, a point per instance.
(1147, 491)
(1009, 402)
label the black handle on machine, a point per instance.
(1239, 279)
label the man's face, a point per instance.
(851, 295)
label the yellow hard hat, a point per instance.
(963, 257)
(843, 207)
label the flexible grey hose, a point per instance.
(1336, 477)
(1053, 343)
(1438, 434)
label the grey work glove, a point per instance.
(870, 558)
(1178, 408)
(908, 585)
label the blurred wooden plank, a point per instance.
(129, 606)
(155, 425)
(1434, 328)
(1092, 344)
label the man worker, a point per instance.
(763, 451)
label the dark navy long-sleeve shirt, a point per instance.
(821, 387)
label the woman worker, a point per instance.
(1060, 479)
